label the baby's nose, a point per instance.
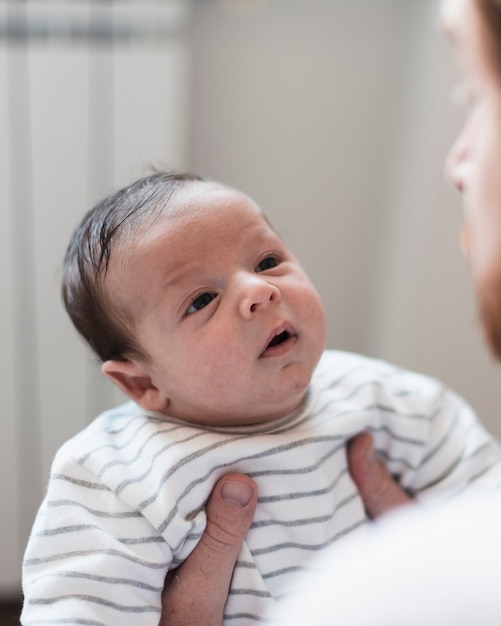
(257, 294)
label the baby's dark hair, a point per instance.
(114, 220)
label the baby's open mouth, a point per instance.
(281, 342)
(278, 339)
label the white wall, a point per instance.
(336, 117)
(77, 119)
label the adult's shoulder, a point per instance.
(440, 568)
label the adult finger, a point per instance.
(379, 491)
(196, 592)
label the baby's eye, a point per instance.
(267, 263)
(200, 302)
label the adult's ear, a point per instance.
(134, 381)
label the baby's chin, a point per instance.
(267, 413)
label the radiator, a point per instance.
(92, 94)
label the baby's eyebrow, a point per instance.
(177, 276)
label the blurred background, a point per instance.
(335, 115)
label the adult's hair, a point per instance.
(490, 13)
(111, 223)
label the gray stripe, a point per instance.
(483, 448)
(115, 446)
(286, 570)
(399, 460)
(79, 483)
(479, 474)
(247, 616)
(84, 527)
(138, 451)
(75, 553)
(385, 429)
(95, 512)
(250, 592)
(376, 407)
(445, 474)
(246, 565)
(61, 530)
(135, 541)
(120, 415)
(111, 580)
(308, 520)
(157, 454)
(441, 443)
(374, 385)
(305, 494)
(132, 439)
(310, 547)
(96, 600)
(64, 620)
(300, 470)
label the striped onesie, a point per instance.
(125, 500)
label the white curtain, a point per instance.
(91, 95)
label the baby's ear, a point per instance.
(136, 383)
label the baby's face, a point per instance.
(231, 324)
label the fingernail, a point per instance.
(236, 493)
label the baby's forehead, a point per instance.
(202, 201)
(199, 195)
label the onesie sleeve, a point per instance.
(459, 454)
(91, 558)
(443, 449)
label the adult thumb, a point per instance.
(378, 489)
(196, 592)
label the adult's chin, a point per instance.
(489, 302)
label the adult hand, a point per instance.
(196, 592)
(378, 490)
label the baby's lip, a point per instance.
(281, 334)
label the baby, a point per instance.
(203, 317)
